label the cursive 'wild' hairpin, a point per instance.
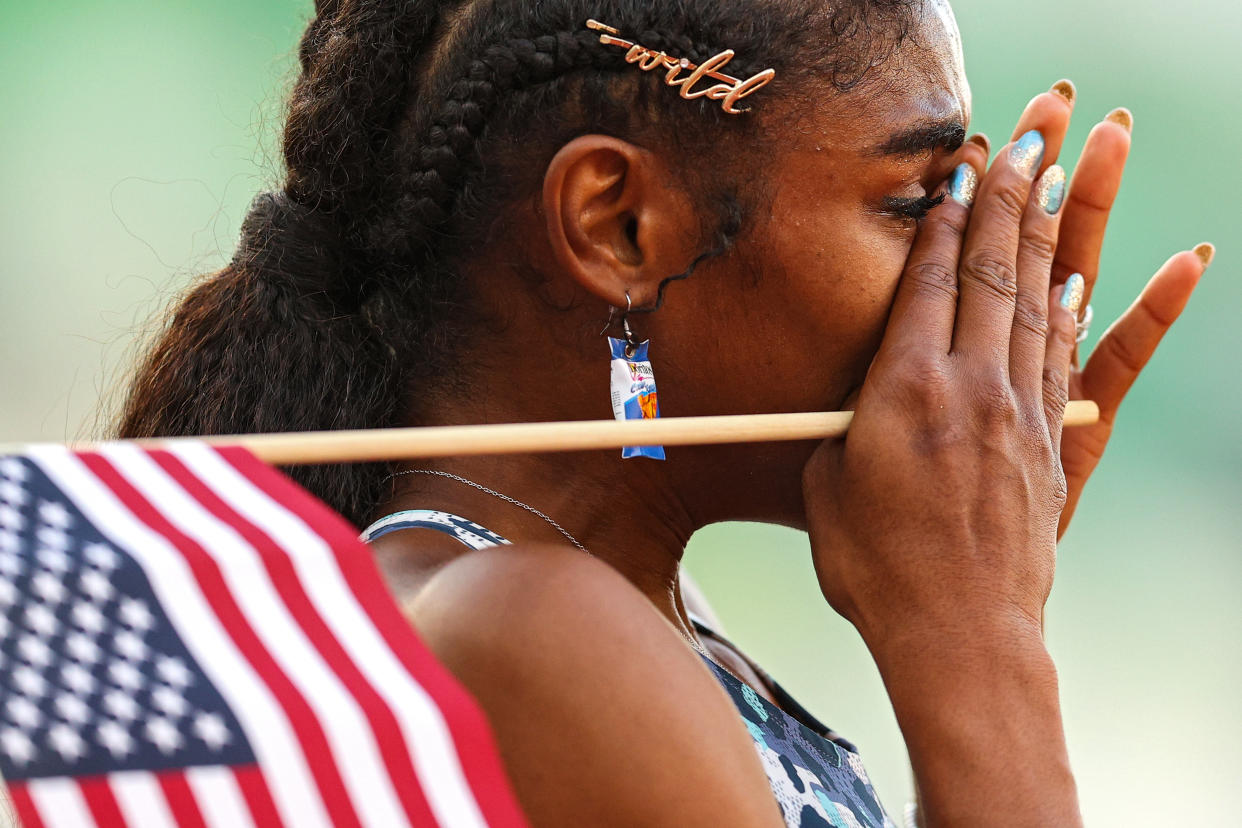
(729, 90)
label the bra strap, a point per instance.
(467, 532)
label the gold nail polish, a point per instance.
(1122, 116)
(1206, 253)
(1065, 88)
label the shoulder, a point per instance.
(603, 714)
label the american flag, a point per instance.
(189, 639)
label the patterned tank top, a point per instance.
(815, 775)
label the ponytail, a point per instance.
(290, 335)
(274, 343)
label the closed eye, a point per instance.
(912, 208)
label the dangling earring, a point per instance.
(633, 382)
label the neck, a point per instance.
(636, 515)
(625, 513)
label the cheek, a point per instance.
(838, 277)
(796, 328)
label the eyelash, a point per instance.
(915, 209)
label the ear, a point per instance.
(615, 220)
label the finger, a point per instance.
(1092, 193)
(1029, 339)
(926, 302)
(1049, 112)
(1126, 347)
(987, 275)
(1062, 324)
(984, 143)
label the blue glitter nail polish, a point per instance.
(1071, 296)
(1028, 153)
(1050, 193)
(963, 184)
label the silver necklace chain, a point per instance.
(494, 493)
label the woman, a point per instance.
(474, 190)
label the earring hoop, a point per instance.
(631, 341)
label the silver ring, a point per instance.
(1083, 327)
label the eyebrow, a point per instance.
(923, 138)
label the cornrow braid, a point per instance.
(432, 170)
(358, 71)
(411, 128)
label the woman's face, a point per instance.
(791, 317)
(799, 326)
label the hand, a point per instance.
(1116, 362)
(941, 505)
(1125, 349)
(933, 523)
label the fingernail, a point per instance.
(981, 140)
(963, 184)
(1028, 152)
(1071, 296)
(1050, 193)
(1122, 116)
(1065, 88)
(1206, 253)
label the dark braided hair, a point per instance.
(412, 126)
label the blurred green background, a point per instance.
(134, 135)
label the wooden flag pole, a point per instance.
(304, 448)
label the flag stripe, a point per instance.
(218, 796)
(320, 706)
(181, 800)
(207, 572)
(254, 788)
(281, 570)
(27, 813)
(470, 731)
(348, 737)
(60, 802)
(97, 792)
(141, 800)
(266, 724)
(322, 574)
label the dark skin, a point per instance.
(842, 296)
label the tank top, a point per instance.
(815, 775)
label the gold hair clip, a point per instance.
(728, 91)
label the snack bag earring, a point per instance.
(633, 385)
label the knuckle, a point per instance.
(1041, 245)
(1030, 316)
(1056, 390)
(926, 380)
(956, 221)
(1060, 487)
(1056, 383)
(1159, 315)
(993, 272)
(934, 276)
(1010, 200)
(1123, 353)
(921, 390)
(995, 401)
(1064, 329)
